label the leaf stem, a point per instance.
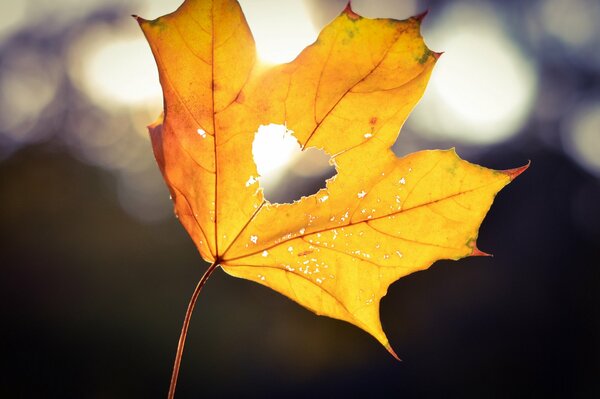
(186, 325)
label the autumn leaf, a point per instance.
(380, 218)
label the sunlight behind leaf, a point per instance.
(273, 148)
(281, 29)
(282, 164)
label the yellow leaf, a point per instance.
(379, 219)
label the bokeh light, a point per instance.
(581, 135)
(29, 82)
(115, 68)
(573, 22)
(483, 87)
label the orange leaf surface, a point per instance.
(380, 218)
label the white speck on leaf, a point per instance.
(251, 180)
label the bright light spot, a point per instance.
(115, 69)
(483, 87)
(281, 29)
(274, 148)
(581, 136)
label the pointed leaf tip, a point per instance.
(475, 251)
(514, 173)
(350, 13)
(392, 352)
(139, 19)
(420, 17)
(478, 252)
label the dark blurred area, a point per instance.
(97, 272)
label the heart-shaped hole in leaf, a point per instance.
(286, 172)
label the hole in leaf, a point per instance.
(286, 173)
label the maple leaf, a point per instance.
(380, 218)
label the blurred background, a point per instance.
(96, 272)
